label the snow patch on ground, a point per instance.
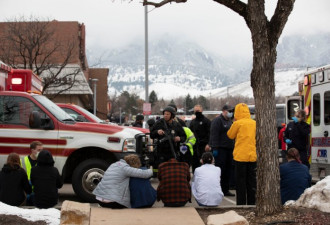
(50, 216)
(315, 197)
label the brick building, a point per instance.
(69, 67)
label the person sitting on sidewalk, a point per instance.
(205, 184)
(174, 187)
(295, 177)
(46, 181)
(143, 195)
(14, 183)
(113, 190)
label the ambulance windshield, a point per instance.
(59, 113)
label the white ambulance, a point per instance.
(82, 151)
(314, 97)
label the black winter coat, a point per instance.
(46, 180)
(201, 129)
(174, 129)
(298, 134)
(218, 135)
(13, 185)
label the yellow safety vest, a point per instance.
(191, 140)
(27, 166)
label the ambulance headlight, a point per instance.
(129, 145)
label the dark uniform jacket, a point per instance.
(174, 129)
(46, 180)
(218, 135)
(13, 185)
(298, 134)
(201, 129)
(174, 180)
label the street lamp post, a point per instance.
(146, 53)
(94, 82)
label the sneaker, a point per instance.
(229, 194)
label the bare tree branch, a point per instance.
(235, 5)
(164, 2)
(279, 19)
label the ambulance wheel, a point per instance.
(86, 177)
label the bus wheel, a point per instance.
(86, 177)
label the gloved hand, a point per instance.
(215, 153)
(288, 141)
(295, 119)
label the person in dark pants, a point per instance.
(296, 135)
(295, 177)
(243, 130)
(46, 181)
(168, 133)
(200, 126)
(222, 147)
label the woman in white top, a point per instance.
(206, 182)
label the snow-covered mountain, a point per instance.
(178, 67)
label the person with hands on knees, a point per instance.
(205, 184)
(296, 135)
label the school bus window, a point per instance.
(327, 108)
(316, 110)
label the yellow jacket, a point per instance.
(243, 131)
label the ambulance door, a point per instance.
(321, 124)
(15, 132)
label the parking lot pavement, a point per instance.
(67, 193)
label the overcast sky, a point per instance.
(111, 24)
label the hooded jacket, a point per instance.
(46, 180)
(243, 131)
(13, 184)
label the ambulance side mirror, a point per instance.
(34, 120)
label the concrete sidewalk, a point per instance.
(149, 216)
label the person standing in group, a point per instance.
(295, 177)
(28, 163)
(14, 183)
(243, 130)
(46, 181)
(138, 121)
(176, 119)
(222, 146)
(200, 126)
(174, 188)
(296, 135)
(205, 184)
(282, 142)
(169, 134)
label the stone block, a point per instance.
(75, 213)
(228, 218)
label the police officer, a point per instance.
(200, 126)
(168, 133)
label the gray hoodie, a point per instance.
(114, 185)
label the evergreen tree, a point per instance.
(153, 98)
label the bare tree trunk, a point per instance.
(263, 84)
